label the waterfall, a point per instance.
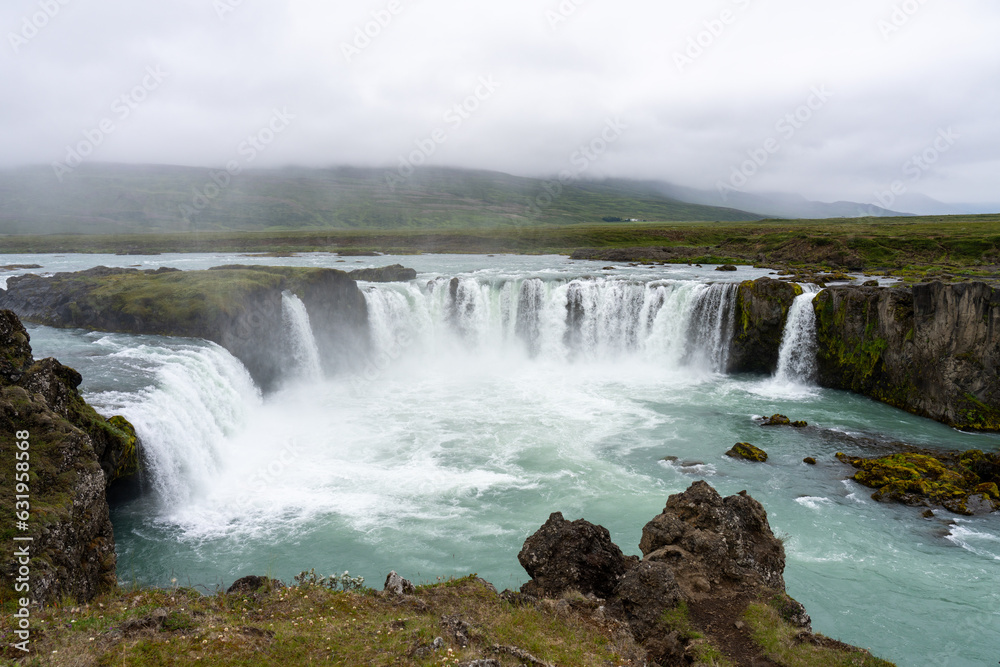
(712, 324)
(672, 323)
(200, 397)
(528, 322)
(797, 355)
(301, 342)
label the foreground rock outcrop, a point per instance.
(707, 560)
(931, 349)
(72, 457)
(238, 307)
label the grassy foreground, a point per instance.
(313, 625)
(960, 246)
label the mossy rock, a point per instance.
(762, 307)
(128, 453)
(744, 450)
(782, 420)
(915, 478)
(989, 490)
(777, 420)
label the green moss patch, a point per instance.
(789, 646)
(744, 450)
(964, 484)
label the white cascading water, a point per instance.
(797, 355)
(676, 323)
(301, 342)
(201, 397)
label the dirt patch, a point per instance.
(721, 619)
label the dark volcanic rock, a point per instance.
(572, 556)
(15, 351)
(643, 594)
(761, 310)
(714, 554)
(72, 549)
(252, 584)
(932, 349)
(782, 420)
(712, 542)
(385, 274)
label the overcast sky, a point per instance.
(682, 91)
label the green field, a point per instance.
(950, 245)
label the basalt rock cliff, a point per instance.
(238, 307)
(931, 349)
(761, 310)
(72, 456)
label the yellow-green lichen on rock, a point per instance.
(744, 450)
(128, 454)
(928, 349)
(964, 484)
(762, 307)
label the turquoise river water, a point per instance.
(529, 385)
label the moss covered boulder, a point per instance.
(74, 455)
(782, 420)
(761, 310)
(746, 451)
(933, 350)
(964, 484)
(238, 307)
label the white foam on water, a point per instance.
(814, 502)
(975, 541)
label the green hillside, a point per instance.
(114, 199)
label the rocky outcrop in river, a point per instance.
(238, 307)
(761, 311)
(72, 456)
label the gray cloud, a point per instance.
(700, 86)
